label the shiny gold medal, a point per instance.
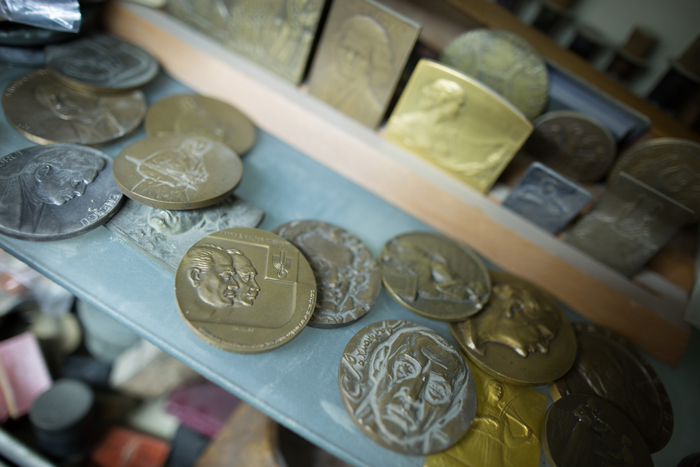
(277, 34)
(406, 388)
(505, 431)
(45, 111)
(245, 290)
(521, 336)
(177, 171)
(611, 368)
(457, 124)
(573, 144)
(669, 165)
(504, 62)
(190, 114)
(362, 53)
(580, 430)
(348, 276)
(434, 277)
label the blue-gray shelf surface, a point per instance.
(297, 383)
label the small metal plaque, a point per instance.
(546, 198)
(628, 225)
(165, 236)
(362, 53)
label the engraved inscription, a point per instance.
(96, 214)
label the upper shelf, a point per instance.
(651, 319)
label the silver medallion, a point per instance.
(407, 388)
(165, 235)
(101, 63)
(546, 198)
(56, 191)
(628, 225)
(348, 276)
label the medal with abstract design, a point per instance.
(434, 277)
(611, 368)
(348, 276)
(457, 124)
(628, 225)
(521, 336)
(245, 290)
(406, 388)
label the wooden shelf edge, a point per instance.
(653, 323)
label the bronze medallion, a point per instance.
(177, 171)
(506, 430)
(348, 276)
(245, 290)
(434, 277)
(457, 124)
(521, 336)
(669, 165)
(190, 114)
(101, 63)
(580, 430)
(45, 111)
(573, 144)
(406, 388)
(611, 368)
(506, 63)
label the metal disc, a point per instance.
(669, 165)
(406, 388)
(573, 144)
(45, 111)
(101, 63)
(55, 192)
(434, 277)
(521, 336)
(506, 63)
(348, 276)
(177, 171)
(609, 367)
(580, 430)
(245, 290)
(201, 116)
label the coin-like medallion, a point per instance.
(669, 165)
(348, 276)
(101, 63)
(177, 171)
(434, 277)
(580, 430)
(245, 290)
(573, 144)
(56, 191)
(611, 368)
(190, 114)
(506, 63)
(406, 388)
(521, 336)
(45, 111)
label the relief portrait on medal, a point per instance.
(222, 277)
(514, 318)
(174, 171)
(79, 116)
(414, 393)
(356, 74)
(30, 187)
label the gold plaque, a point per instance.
(277, 34)
(245, 290)
(457, 124)
(505, 431)
(363, 50)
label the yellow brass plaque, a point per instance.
(457, 124)
(505, 431)
(362, 53)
